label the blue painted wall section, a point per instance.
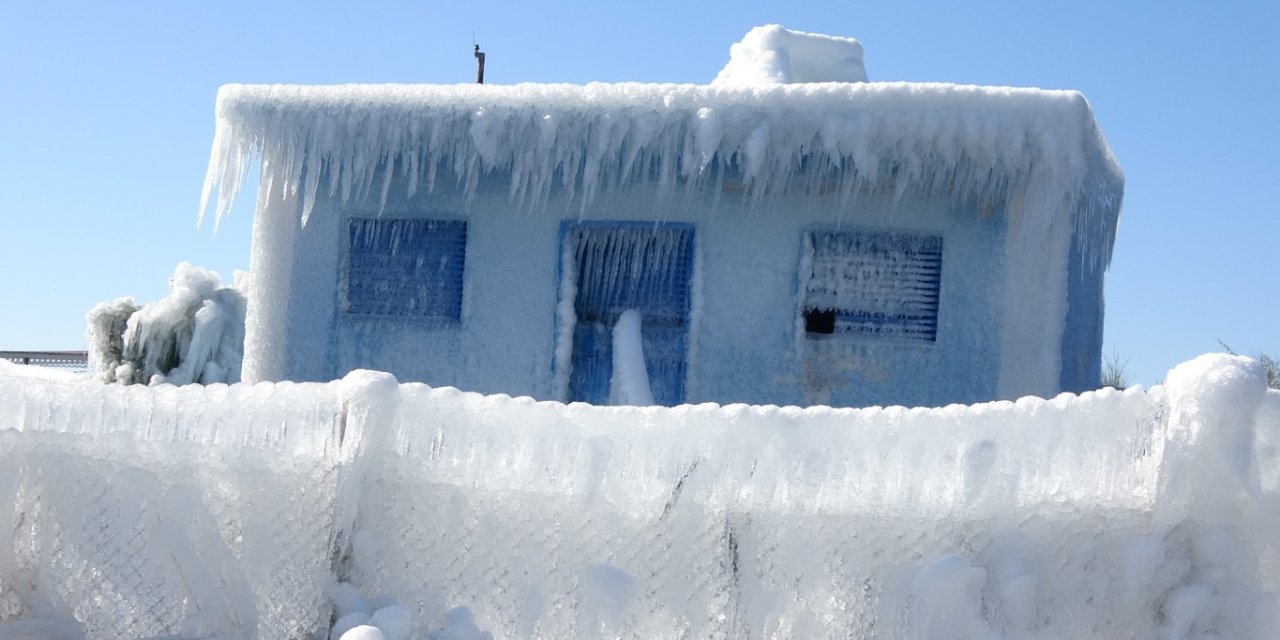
(744, 337)
(1082, 335)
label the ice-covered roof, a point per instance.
(1038, 150)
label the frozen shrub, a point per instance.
(194, 334)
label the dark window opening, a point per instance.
(820, 320)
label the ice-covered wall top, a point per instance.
(1038, 151)
(773, 54)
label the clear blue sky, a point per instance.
(106, 118)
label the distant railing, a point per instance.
(74, 360)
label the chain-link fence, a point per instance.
(144, 512)
(230, 511)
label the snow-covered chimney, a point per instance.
(772, 54)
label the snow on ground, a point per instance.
(231, 511)
(381, 618)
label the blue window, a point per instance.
(632, 265)
(405, 268)
(873, 284)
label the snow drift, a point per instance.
(225, 511)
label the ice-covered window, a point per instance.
(621, 266)
(872, 283)
(405, 268)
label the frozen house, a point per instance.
(788, 234)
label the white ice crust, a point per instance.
(1038, 151)
(772, 54)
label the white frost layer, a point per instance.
(772, 54)
(194, 334)
(229, 511)
(1038, 151)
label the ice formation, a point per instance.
(630, 382)
(195, 334)
(772, 54)
(225, 511)
(1038, 151)
(382, 618)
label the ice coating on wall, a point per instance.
(1038, 151)
(772, 54)
(225, 511)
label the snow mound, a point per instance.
(773, 54)
(195, 334)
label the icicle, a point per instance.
(582, 142)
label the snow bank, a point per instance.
(1039, 152)
(206, 510)
(772, 54)
(195, 334)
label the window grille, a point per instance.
(405, 268)
(873, 284)
(621, 266)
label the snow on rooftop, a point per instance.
(993, 143)
(773, 54)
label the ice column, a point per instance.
(630, 382)
(270, 283)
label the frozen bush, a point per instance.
(194, 334)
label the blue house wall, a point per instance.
(747, 341)
(1082, 333)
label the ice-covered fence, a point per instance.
(1087, 517)
(73, 360)
(133, 511)
(1137, 514)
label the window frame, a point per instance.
(568, 343)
